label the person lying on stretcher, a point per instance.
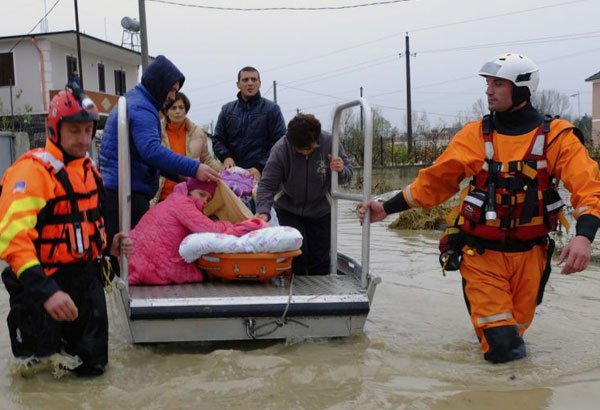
(156, 238)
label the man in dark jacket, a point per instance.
(160, 81)
(248, 127)
(297, 180)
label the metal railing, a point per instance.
(366, 191)
(124, 184)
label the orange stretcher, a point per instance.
(247, 266)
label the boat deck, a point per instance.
(310, 295)
(284, 307)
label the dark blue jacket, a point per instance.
(246, 131)
(148, 157)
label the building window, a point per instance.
(101, 81)
(120, 87)
(7, 69)
(71, 69)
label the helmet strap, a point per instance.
(54, 138)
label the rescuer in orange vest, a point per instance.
(499, 238)
(52, 236)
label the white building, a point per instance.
(595, 80)
(33, 68)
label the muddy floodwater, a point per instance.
(418, 352)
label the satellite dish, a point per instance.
(130, 24)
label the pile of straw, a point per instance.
(416, 219)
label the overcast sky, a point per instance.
(322, 58)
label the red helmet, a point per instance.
(65, 107)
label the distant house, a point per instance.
(33, 68)
(446, 133)
(595, 80)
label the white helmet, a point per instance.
(518, 69)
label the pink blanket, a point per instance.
(156, 239)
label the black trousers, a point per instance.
(316, 246)
(139, 206)
(33, 332)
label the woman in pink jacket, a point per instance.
(156, 238)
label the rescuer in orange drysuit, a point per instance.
(499, 240)
(52, 236)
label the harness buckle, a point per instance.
(508, 199)
(515, 167)
(506, 222)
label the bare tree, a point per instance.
(479, 108)
(420, 123)
(551, 102)
(351, 136)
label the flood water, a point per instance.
(418, 352)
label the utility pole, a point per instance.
(578, 104)
(362, 114)
(143, 34)
(78, 47)
(275, 91)
(409, 136)
(393, 155)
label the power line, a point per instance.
(328, 74)
(511, 13)
(403, 90)
(472, 76)
(325, 76)
(570, 55)
(209, 103)
(394, 56)
(267, 92)
(422, 112)
(387, 59)
(375, 105)
(311, 92)
(417, 87)
(376, 40)
(34, 27)
(304, 109)
(538, 40)
(347, 6)
(468, 77)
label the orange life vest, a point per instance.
(70, 226)
(517, 200)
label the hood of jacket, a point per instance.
(159, 77)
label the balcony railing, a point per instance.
(104, 102)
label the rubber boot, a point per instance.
(505, 344)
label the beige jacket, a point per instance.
(196, 147)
